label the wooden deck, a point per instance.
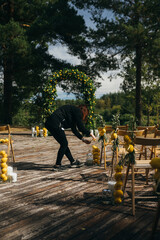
(68, 204)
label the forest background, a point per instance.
(129, 42)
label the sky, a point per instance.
(60, 51)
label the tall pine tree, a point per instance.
(27, 28)
(124, 27)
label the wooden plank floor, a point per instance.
(68, 204)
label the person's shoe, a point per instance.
(76, 163)
(57, 166)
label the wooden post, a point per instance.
(133, 190)
(126, 177)
(104, 153)
(12, 150)
(116, 155)
(101, 152)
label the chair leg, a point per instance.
(145, 153)
(101, 153)
(147, 173)
(133, 186)
(12, 151)
(112, 164)
(8, 151)
(126, 177)
(140, 153)
(133, 190)
(104, 154)
(152, 152)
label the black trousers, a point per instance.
(60, 137)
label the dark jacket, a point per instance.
(68, 116)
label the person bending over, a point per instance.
(68, 116)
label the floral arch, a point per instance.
(80, 81)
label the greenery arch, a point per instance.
(78, 80)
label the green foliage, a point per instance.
(115, 121)
(99, 121)
(132, 31)
(31, 112)
(27, 29)
(81, 84)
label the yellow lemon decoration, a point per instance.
(118, 176)
(2, 153)
(4, 140)
(44, 132)
(118, 200)
(94, 147)
(155, 163)
(4, 170)
(96, 154)
(4, 160)
(130, 148)
(102, 131)
(37, 129)
(118, 168)
(4, 166)
(3, 175)
(5, 178)
(127, 139)
(114, 136)
(157, 174)
(118, 185)
(118, 193)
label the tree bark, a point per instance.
(138, 109)
(8, 75)
(8, 79)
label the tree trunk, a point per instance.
(148, 118)
(138, 84)
(8, 79)
(8, 75)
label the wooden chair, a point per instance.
(150, 131)
(109, 130)
(9, 144)
(120, 150)
(140, 164)
(123, 127)
(156, 135)
(122, 133)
